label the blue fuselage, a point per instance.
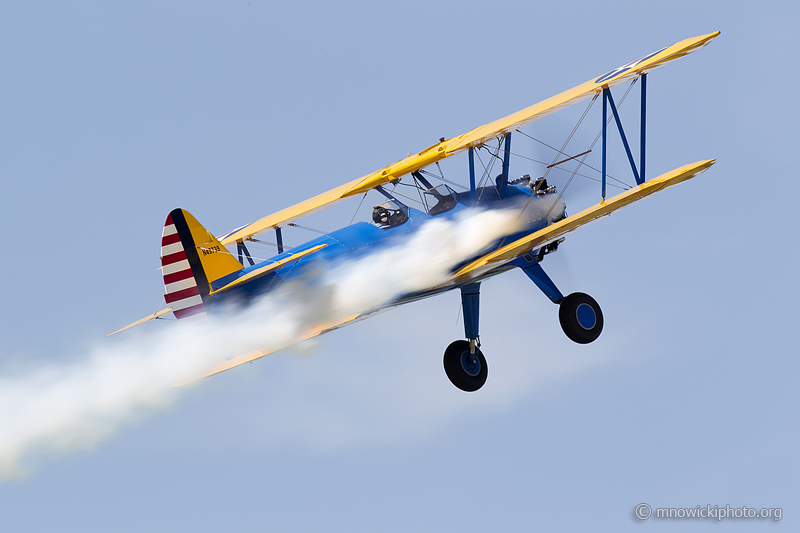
(361, 238)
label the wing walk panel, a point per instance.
(569, 224)
(472, 138)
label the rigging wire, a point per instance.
(417, 185)
(569, 138)
(268, 243)
(441, 174)
(487, 171)
(574, 172)
(442, 178)
(394, 191)
(625, 188)
(359, 207)
(294, 225)
(590, 147)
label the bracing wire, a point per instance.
(569, 138)
(442, 178)
(560, 194)
(295, 225)
(488, 171)
(359, 207)
(583, 116)
(624, 186)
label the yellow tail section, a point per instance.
(191, 258)
(216, 260)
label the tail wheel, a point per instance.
(467, 372)
(580, 317)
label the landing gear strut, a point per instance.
(580, 316)
(464, 363)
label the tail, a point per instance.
(191, 258)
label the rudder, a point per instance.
(191, 258)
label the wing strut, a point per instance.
(608, 101)
(506, 157)
(243, 252)
(643, 114)
(279, 238)
(471, 176)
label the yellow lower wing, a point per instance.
(258, 354)
(569, 224)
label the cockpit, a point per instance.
(389, 214)
(439, 200)
(393, 213)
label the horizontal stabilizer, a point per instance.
(559, 229)
(142, 321)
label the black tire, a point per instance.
(465, 375)
(580, 317)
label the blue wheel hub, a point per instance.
(470, 363)
(586, 316)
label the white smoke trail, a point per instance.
(68, 407)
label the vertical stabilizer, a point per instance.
(191, 258)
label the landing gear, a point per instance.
(467, 371)
(580, 317)
(464, 363)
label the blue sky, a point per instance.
(114, 114)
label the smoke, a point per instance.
(63, 408)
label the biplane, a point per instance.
(202, 276)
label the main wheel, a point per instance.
(580, 317)
(466, 372)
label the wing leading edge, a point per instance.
(472, 138)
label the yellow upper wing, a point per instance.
(569, 224)
(475, 137)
